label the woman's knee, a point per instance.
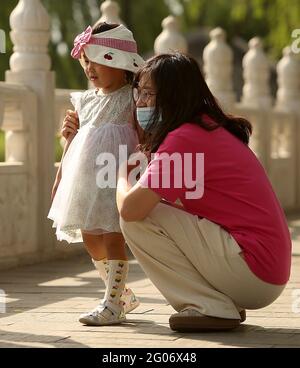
(128, 228)
(158, 216)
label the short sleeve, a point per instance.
(75, 98)
(164, 174)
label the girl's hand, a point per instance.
(70, 125)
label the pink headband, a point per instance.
(86, 38)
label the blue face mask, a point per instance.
(145, 115)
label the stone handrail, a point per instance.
(17, 121)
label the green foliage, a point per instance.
(145, 21)
(72, 17)
(273, 20)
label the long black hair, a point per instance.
(182, 96)
(103, 27)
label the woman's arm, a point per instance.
(134, 202)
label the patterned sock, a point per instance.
(117, 275)
(102, 267)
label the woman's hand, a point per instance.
(70, 125)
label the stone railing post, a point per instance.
(170, 40)
(30, 66)
(288, 94)
(256, 91)
(288, 131)
(218, 68)
(110, 12)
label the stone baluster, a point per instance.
(110, 11)
(218, 68)
(287, 136)
(288, 94)
(170, 40)
(256, 91)
(30, 66)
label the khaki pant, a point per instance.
(195, 263)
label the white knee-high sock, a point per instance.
(102, 267)
(116, 278)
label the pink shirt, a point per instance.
(237, 195)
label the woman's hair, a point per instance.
(103, 27)
(182, 96)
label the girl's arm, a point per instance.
(59, 171)
(69, 130)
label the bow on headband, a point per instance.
(80, 41)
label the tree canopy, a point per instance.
(273, 20)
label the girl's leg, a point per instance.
(111, 310)
(95, 246)
(114, 244)
(118, 299)
(118, 267)
(116, 252)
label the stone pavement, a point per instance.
(45, 300)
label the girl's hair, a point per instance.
(103, 27)
(182, 96)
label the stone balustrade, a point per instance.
(32, 110)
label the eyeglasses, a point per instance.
(142, 94)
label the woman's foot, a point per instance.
(190, 320)
(243, 315)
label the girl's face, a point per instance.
(144, 93)
(104, 77)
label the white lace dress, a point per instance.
(86, 196)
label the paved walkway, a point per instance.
(44, 302)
